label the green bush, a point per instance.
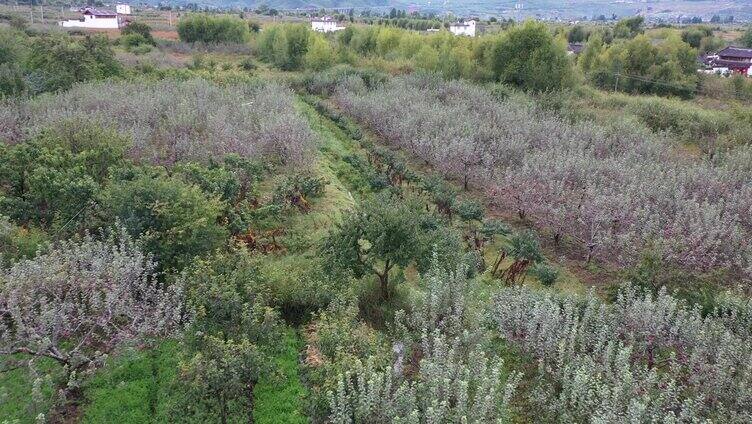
(546, 274)
(212, 29)
(18, 243)
(135, 43)
(11, 80)
(57, 62)
(285, 46)
(529, 57)
(175, 221)
(49, 179)
(639, 65)
(139, 28)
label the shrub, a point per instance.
(382, 234)
(286, 46)
(51, 180)
(639, 66)
(546, 274)
(175, 221)
(650, 358)
(529, 57)
(232, 339)
(103, 296)
(18, 243)
(57, 62)
(209, 29)
(171, 121)
(139, 28)
(11, 80)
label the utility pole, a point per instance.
(41, 9)
(616, 85)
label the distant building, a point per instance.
(93, 18)
(123, 9)
(325, 24)
(731, 60)
(468, 28)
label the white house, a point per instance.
(325, 24)
(93, 18)
(463, 28)
(123, 9)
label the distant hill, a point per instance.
(301, 4)
(520, 9)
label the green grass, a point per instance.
(16, 401)
(133, 388)
(279, 399)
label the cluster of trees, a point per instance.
(634, 63)
(644, 358)
(46, 62)
(131, 220)
(211, 29)
(638, 65)
(616, 191)
(411, 23)
(525, 55)
(169, 120)
(702, 39)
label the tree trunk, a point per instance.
(499, 260)
(591, 249)
(384, 282)
(223, 409)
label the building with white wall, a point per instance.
(325, 24)
(123, 9)
(468, 28)
(93, 18)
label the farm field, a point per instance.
(210, 217)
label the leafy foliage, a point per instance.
(594, 184)
(175, 221)
(83, 300)
(529, 57)
(139, 28)
(287, 46)
(446, 377)
(638, 65)
(48, 180)
(170, 121)
(644, 358)
(210, 29)
(230, 341)
(381, 234)
(57, 62)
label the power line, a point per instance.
(743, 96)
(90, 203)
